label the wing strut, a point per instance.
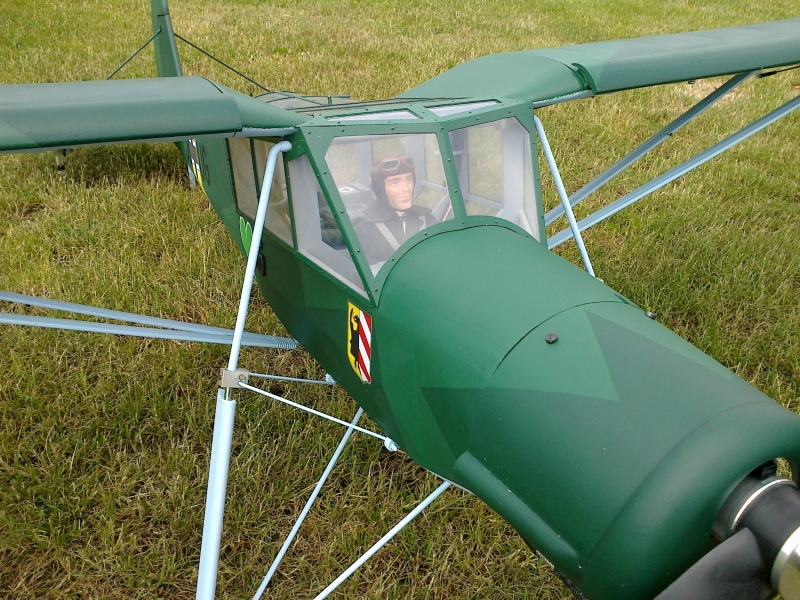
(677, 172)
(562, 193)
(650, 144)
(165, 329)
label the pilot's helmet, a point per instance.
(387, 166)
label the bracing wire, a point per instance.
(130, 58)
(224, 64)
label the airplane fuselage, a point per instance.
(606, 440)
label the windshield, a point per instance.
(495, 172)
(392, 187)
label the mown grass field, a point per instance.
(104, 441)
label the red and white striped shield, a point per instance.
(359, 341)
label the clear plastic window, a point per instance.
(398, 115)
(454, 109)
(392, 186)
(279, 216)
(495, 172)
(243, 176)
(247, 177)
(318, 236)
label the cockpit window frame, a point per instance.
(421, 179)
(319, 133)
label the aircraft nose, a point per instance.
(605, 439)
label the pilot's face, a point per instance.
(400, 191)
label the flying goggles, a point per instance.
(391, 166)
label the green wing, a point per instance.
(603, 67)
(47, 116)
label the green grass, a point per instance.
(104, 441)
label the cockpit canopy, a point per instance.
(370, 183)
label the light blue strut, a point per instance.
(384, 540)
(223, 436)
(226, 406)
(562, 194)
(649, 145)
(312, 411)
(293, 533)
(157, 328)
(676, 172)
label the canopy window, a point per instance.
(248, 161)
(392, 187)
(495, 172)
(318, 235)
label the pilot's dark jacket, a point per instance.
(381, 229)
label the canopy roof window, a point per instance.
(397, 115)
(457, 109)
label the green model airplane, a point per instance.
(404, 247)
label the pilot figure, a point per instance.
(394, 217)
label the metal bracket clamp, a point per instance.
(233, 379)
